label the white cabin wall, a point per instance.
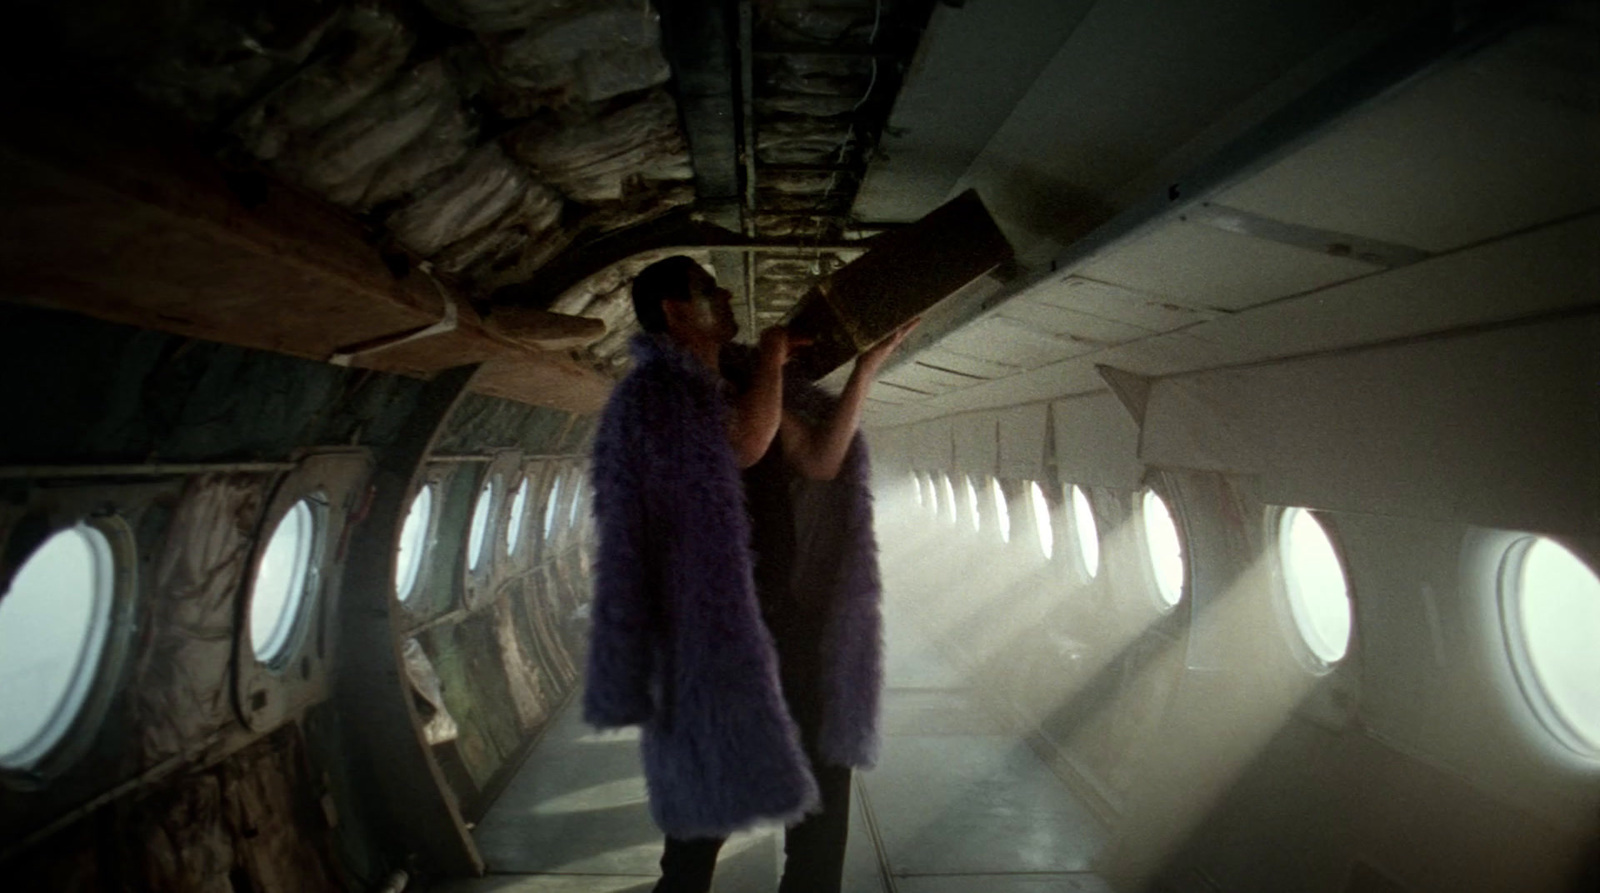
(1214, 753)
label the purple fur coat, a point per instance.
(678, 643)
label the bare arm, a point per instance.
(759, 410)
(818, 452)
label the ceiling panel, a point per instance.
(1107, 301)
(1062, 322)
(971, 366)
(954, 78)
(1135, 82)
(1551, 268)
(1503, 141)
(1014, 343)
(1198, 264)
(927, 378)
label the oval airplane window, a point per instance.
(1041, 520)
(950, 498)
(413, 543)
(916, 486)
(282, 580)
(54, 622)
(1550, 604)
(551, 502)
(577, 502)
(478, 537)
(1001, 510)
(1315, 585)
(519, 505)
(1164, 549)
(972, 504)
(1085, 531)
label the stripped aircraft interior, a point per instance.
(1238, 532)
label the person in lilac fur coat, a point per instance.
(736, 611)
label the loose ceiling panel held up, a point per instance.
(1359, 175)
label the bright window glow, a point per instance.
(577, 501)
(1041, 520)
(281, 582)
(413, 542)
(550, 507)
(1000, 509)
(1085, 531)
(1319, 595)
(481, 516)
(972, 504)
(1166, 549)
(916, 484)
(1551, 603)
(54, 623)
(950, 498)
(519, 506)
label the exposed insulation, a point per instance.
(355, 60)
(483, 189)
(596, 52)
(184, 692)
(499, 15)
(342, 159)
(603, 158)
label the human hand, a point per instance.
(874, 357)
(777, 345)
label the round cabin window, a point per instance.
(482, 518)
(1001, 510)
(1164, 549)
(1085, 532)
(54, 622)
(574, 510)
(551, 502)
(1550, 605)
(1315, 586)
(283, 577)
(413, 543)
(1041, 520)
(519, 505)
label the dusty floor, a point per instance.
(955, 805)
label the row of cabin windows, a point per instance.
(1549, 597)
(56, 614)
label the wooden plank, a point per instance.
(110, 217)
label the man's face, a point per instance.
(709, 311)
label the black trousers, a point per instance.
(813, 849)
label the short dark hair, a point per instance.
(664, 280)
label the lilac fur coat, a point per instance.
(678, 643)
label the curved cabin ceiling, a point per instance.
(409, 186)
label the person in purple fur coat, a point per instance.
(736, 611)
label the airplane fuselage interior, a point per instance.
(1236, 498)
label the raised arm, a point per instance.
(759, 410)
(818, 452)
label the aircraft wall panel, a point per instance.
(977, 443)
(1097, 442)
(1500, 428)
(932, 444)
(1023, 441)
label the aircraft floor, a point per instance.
(956, 805)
